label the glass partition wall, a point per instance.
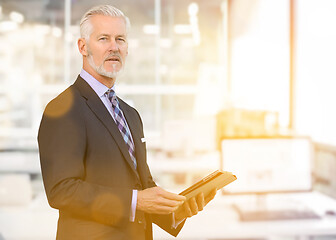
(171, 44)
(196, 71)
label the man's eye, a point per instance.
(103, 38)
(121, 39)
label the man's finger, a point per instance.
(193, 206)
(200, 201)
(165, 209)
(169, 203)
(172, 196)
(187, 209)
(210, 196)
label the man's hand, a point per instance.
(158, 201)
(194, 205)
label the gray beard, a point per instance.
(101, 70)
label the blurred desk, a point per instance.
(220, 221)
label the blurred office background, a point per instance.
(238, 85)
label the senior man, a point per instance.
(93, 153)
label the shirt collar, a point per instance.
(97, 86)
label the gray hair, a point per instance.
(106, 10)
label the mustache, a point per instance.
(113, 55)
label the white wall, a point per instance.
(316, 69)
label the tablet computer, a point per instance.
(215, 180)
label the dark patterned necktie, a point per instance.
(122, 125)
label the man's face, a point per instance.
(107, 47)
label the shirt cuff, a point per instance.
(134, 203)
(174, 223)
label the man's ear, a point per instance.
(82, 46)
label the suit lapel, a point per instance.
(135, 128)
(99, 109)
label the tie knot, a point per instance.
(111, 94)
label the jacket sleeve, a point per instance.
(62, 148)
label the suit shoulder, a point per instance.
(64, 103)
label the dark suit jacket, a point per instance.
(87, 171)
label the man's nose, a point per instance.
(114, 46)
